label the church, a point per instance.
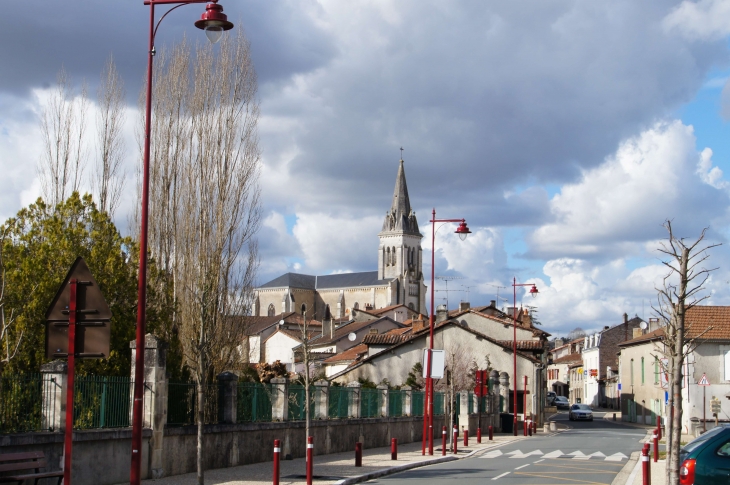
(397, 281)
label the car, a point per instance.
(561, 402)
(551, 397)
(706, 459)
(580, 412)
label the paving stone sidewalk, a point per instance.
(335, 468)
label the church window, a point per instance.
(304, 308)
(271, 311)
(387, 257)
(410, 305)
(355, 306)
(392, 255)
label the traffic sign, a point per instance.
(716, 405)
(93, 317)
(703, 381)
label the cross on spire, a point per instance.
(401, 153)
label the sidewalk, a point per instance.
(339, 468)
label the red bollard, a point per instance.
(659, 426)
(443, 441)
(524, 425)
(310, 450)
(645, 465)
(277, 455)
(456, 438)
(529, 428)
(534, 428)
(358, 454)
(479, 435)
(655, 437)
(394, 448)
(466, 437)
(491, 433)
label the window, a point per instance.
(642, 371)
(271, 311)
(304, 308)
(387, 257)
(356, 306)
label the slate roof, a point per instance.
(342, 280)
(256, 325)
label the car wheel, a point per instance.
(590, 419)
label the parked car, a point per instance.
(551, 398)
(706, 459)
(580, 412)
(561, 402)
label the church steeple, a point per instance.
(400, 217)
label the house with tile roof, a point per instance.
(559, 361)
(258, 329)
(398, 279)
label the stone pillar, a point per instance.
(407, 400)
(383, 391)
(227, 397)
(504, 391)
(280, 399)
(55, 384)
(154, 402)
(355, 401)
(321, 399)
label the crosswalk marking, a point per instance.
(575, 455)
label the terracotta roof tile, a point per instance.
(699, 319)
(383, 339)
(569, 359)
(350, 354)
(524, 344)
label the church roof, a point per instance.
(400, 217)
(342, 280)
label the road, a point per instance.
(590, 453)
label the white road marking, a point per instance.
(523, 466)
(539, 461)
(554, 454)
(500, 476)
(616, 457)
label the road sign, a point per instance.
(437, 363)
(716, 405)
(703, 381)
(93, 317)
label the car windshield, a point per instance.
(581, 407)
(561, 398)
(701, 439)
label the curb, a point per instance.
(409, 466)
(628, 472)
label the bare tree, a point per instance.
(108, 179)
(681, 290)
(460, 365)
(305, 354)
(63, 123)
(576, 333)
(205, 201)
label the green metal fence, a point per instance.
(21, 403)
(370, 400)
(182, 403)
(297, 409)
(471, 408)
(253, 402)
(340, 399)
(101, 402)
(395, 403)
(438, 403)
(417, 403)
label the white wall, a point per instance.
(279, 347)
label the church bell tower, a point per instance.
(399, 254)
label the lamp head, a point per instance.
(463, 230)
(214, 22)
(533, 291)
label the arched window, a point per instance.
(387, 257)
(356, 306)
(392, 255)
(271, 311)
(410, 305)
(304, 308)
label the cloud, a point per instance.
(703, 20)
(655, 176)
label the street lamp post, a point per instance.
(533, 292)
(214, 22)
(462, 231)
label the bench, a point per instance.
(21, 464)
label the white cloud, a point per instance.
(654, 176)
(703, 20)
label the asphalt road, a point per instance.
(589, 453)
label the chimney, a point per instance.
(637, 332)
(464, 306)
(442, 313)
(332, 327)
(559, 342)
(418, 324)
(526, 318)
(493, 303)
(626, 326)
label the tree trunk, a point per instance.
(201, 419)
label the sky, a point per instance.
(565, 132)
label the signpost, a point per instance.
(77, 326)
(481, 389)
(704, 383)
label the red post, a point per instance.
(659, 426)
(277, 454)
(524, 407)
(479, 435)
(645, 465)
(68, 440)
(466, 437)
(456, 438)
(534, 428)
(529, 427)
(443, 441)
(655, 436)
(394, 448)
(358, 454)
(310, 449)
(491, 433)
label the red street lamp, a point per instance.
(533, 293)
(214, 22)
(462, 231)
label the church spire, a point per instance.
(400, 217)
